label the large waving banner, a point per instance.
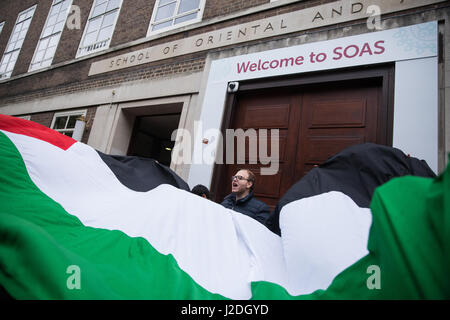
(71, 229)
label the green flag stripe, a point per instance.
(40, 241)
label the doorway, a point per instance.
(317, 116)
(151, 137)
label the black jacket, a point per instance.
(249, 206)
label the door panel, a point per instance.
(278, 110)
(314, 122)
(334, 119)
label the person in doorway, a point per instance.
(201, 191)
(242, 199)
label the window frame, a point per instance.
(67, 114)
(108, 42)
(33, 64)
(2, 24)
(200, 10)
(32, 8)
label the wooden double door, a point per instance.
(314, 122)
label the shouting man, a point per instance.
(241, 198)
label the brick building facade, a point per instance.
(135, 86)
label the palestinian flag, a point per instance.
(72, 228)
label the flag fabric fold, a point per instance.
(355, 171)
(142, 174)
(72, 228)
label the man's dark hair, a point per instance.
(201, 190)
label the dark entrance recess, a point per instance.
(317, 116)
(151, 137)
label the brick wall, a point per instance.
(215, 8)
(68, 79)
(44, 118)
(133, 21)
(132, 25)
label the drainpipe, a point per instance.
(79, 128)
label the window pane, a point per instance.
(105, 33)
(30, 13)
(49, 54)
(90, 39)
(94, 24)
(18, 44)
(108, 20)
(188, 5)
(186, 18)
(46, 63)
(60, 123)
(52, 20)
(14, 37)
(58, 27)
(39, 56)
(65, 5)
(162, 25)
(62, 16)
(6, 58)
(22, 34)
(113, 4)
(43, 44)
(34, 66)
(10, 66)
(14, 56)
(17, 27)
(55, 9)
(68, 133)
(53, 41)
(163, 2)
(11, 47)
(99, 9)
(22, 17)
(71, 122)
(26, 24)
(165, 12)
(47, 31)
